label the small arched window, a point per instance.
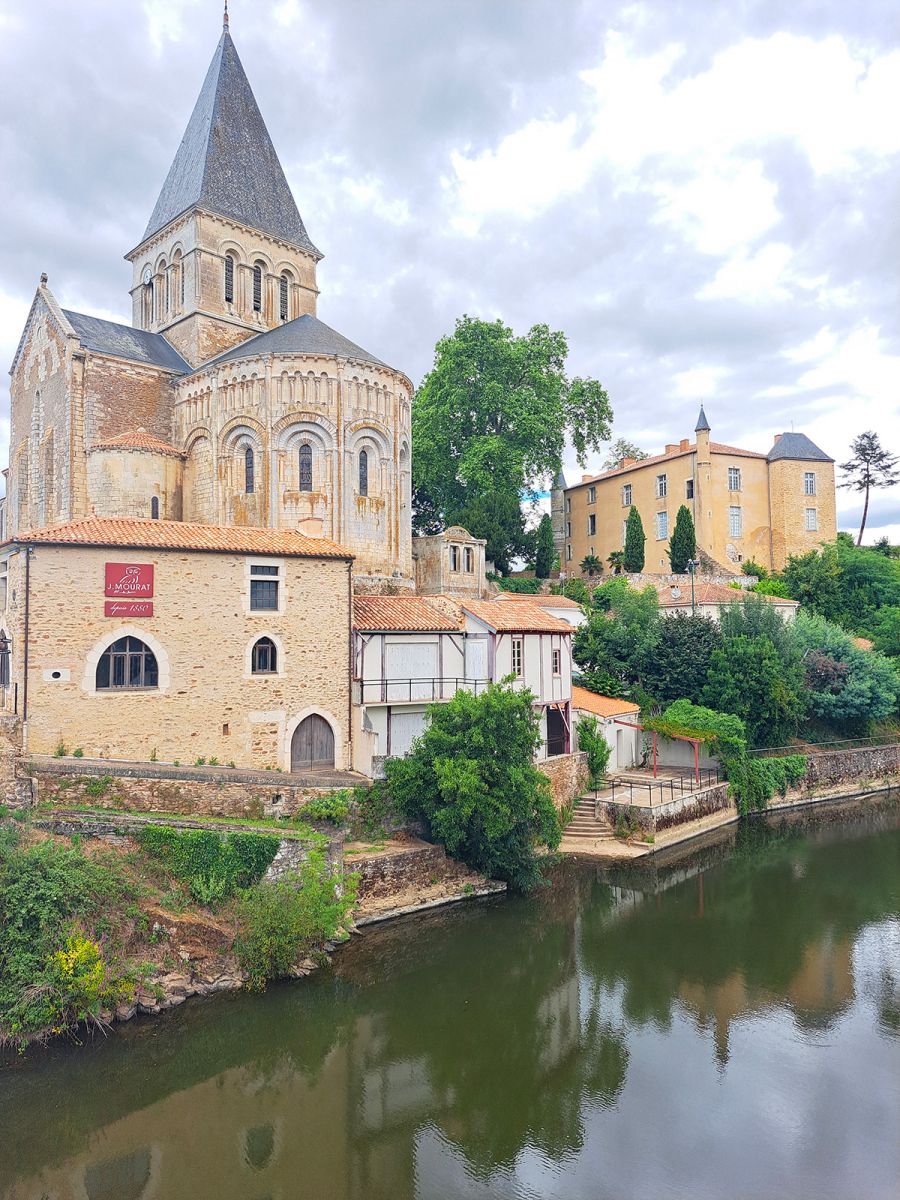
(265, 657)
(178, 271)
(229, 279)
(363, 473)
(127, 663)
(164, 271)
(283, 297)
(257, 286)
(248, 470)
(154, 508)
(306, 467)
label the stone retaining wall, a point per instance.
(845, 766)
(390, 873)
(678, 811)
(568, 775)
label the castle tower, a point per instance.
(703, 496)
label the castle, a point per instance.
(227, 401)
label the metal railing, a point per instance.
(408, 691)
(667, 790)
(859, 743)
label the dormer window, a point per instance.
(257, 287)
(229, 279)
(283, 297)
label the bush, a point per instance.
(282, 921)
(333, 807)
(525, 587)
(596, 747)
(754, 781)
(373, 812)
(212, 865)
(472, 778)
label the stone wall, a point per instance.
(143, 789)
(395, 872)
(835, 767)
(678, 811)
(568, 775)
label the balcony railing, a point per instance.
(408, 691)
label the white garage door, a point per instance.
(405, 728)
(411, 669)
(476, 658)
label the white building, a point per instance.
(710, 598)
(618, 720)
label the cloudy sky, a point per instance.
(705, 197)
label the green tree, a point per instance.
(846, 686)
(746, 678)
(616, 561)
(614, 645)
(545, 551)
(598, 750)
(591, 565)
(871, 466)
(678, 663)
(885, 630)
(633, 556)
(471, 777)
(619, 449)
(492, 418)
(749, 567)
(498, 518)
(844, 583)
(683, 542)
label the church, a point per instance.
(226, 402)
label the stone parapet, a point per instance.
(568, 775)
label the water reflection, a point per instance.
(583, 1042)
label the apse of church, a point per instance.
(227, 402)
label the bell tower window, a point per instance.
(363, 473)
(229, 279)
(283, 297)
(257, 287)
(306, 467)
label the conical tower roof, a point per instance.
(226, 161)
(702, 422)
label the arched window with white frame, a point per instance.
(127, 663)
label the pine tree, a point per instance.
(683, 542)
(633, 557)
(870, 467)
(545, 550)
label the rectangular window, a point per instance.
(624, 531)
(4, 586)
(263, 588)
(812, 520)
(626, 495)
(229, 279)
(556, 656)
(734, 479)
(592, 495)
(662, 487)
(592, 525)
(568, 503)
(568, 528)
(689, 489)
(568, 553)
(735, 525)
(809, 483)
(662, 526)
(518, 655)
(454, 558)
(470, 560)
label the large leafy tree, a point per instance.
(493, 415)
(618, 639)
(683, 542)
(871, 466)
(848, 584)
(846, 686)
(679, 662)
(498, 518)
(471, 777)
(635, 539)
(746, 677)
(545, 549)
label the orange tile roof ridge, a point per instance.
(543, 600)
(138, 439)
(601, 706)
(401, 614)
(515, 618)
(145, 534)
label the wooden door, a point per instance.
(312, 744)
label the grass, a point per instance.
(287, 827)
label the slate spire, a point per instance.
(702, 423)
(226, 161)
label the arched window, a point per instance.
(248, 470)
(265, 657)
(363, 473)
(257, 286)
(178, 278)
(163, 270)
(306, 467)
(229, 279)
(127, 663)
(283, 297)
(154, 508)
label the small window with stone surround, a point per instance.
(127, 663)
(264, 657)
(229, 279)
(258, 287)
(249, 471)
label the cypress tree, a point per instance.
(545, 550)
(683, 542)
(633, 557)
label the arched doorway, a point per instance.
(312, 744)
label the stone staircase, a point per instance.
(584, 825)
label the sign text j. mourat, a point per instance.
(129, 581)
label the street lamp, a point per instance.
(692, 565)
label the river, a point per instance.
(723, 1025)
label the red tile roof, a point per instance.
(542, 601)
(715, 448)
(139, 439)
(180, 535)
(711, 593)
(400, 613)
(601, 706)
(515, 618)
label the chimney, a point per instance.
(777, 437)
(671, 447)
(586, 478)
(684, 444)
(628, 462)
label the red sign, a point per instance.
(128, 608)
(130, 581)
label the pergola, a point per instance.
(680, 737)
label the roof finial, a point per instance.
(225, 18)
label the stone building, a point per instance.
(745, 505)
(141, 639)
(227, 401)
(451, 563)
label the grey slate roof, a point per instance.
(226, 161)
(702, 422)
(139, 345)
(797, 445)
(305, 335)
